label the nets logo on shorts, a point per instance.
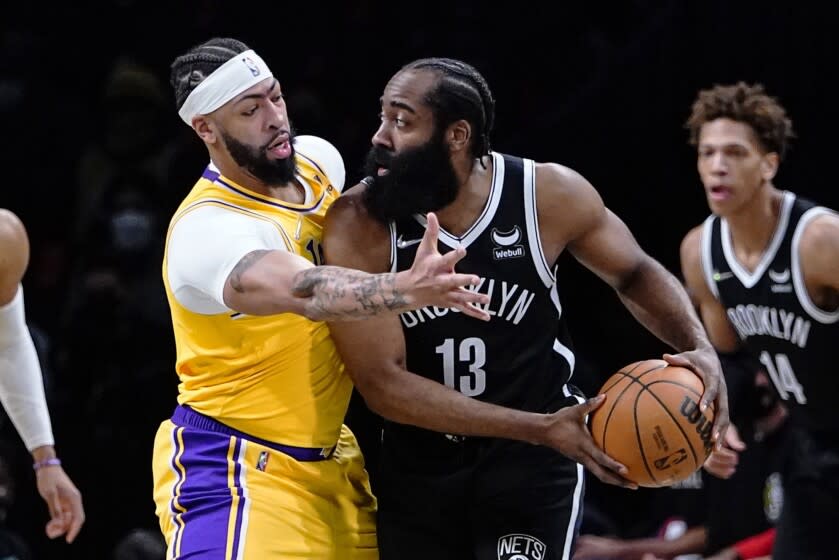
(520, 547)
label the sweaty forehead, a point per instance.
(410, 87)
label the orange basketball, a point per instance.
(652, 424)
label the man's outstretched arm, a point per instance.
(22, 386)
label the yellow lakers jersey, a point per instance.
(276, 377)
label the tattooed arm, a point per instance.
(218, 261)
(271, 282)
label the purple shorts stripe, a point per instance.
(175, 506)
(240, 491)
(205, 495)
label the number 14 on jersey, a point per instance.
(783, 376)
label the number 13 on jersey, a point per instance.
(470, 352)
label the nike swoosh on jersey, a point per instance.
(719, 276)
(403, 243)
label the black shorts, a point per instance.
(810, 511)
(475, 499)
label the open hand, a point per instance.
(434, 281)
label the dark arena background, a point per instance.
(95, 159)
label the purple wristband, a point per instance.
(54, 462)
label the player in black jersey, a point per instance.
(764, 272)
(465, 401)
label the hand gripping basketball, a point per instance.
(653, 423)
(568, 434)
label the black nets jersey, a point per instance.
(522, 357)
(774, 315)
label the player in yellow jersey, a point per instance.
(22, 386)
(255, 462)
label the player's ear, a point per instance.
(769, 165)
(204, 129)
(458, 135)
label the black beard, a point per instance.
(254, 160)
(419, 180)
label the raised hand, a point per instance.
(433, 280)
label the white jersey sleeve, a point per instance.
(21, 381)
(204, 247)
(325, 155)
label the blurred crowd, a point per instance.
(98, 314)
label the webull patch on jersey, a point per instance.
(518, 546)
(507, 244)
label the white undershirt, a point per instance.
(207, 243)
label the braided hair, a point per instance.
(461, 93)
(190, 69)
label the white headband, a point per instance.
(228, 80)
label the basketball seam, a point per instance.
(678, 425)
(683, 386)
(645, 387)
(624, 390)
(638, 433)
(625, 374)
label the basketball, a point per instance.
(651, 422)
